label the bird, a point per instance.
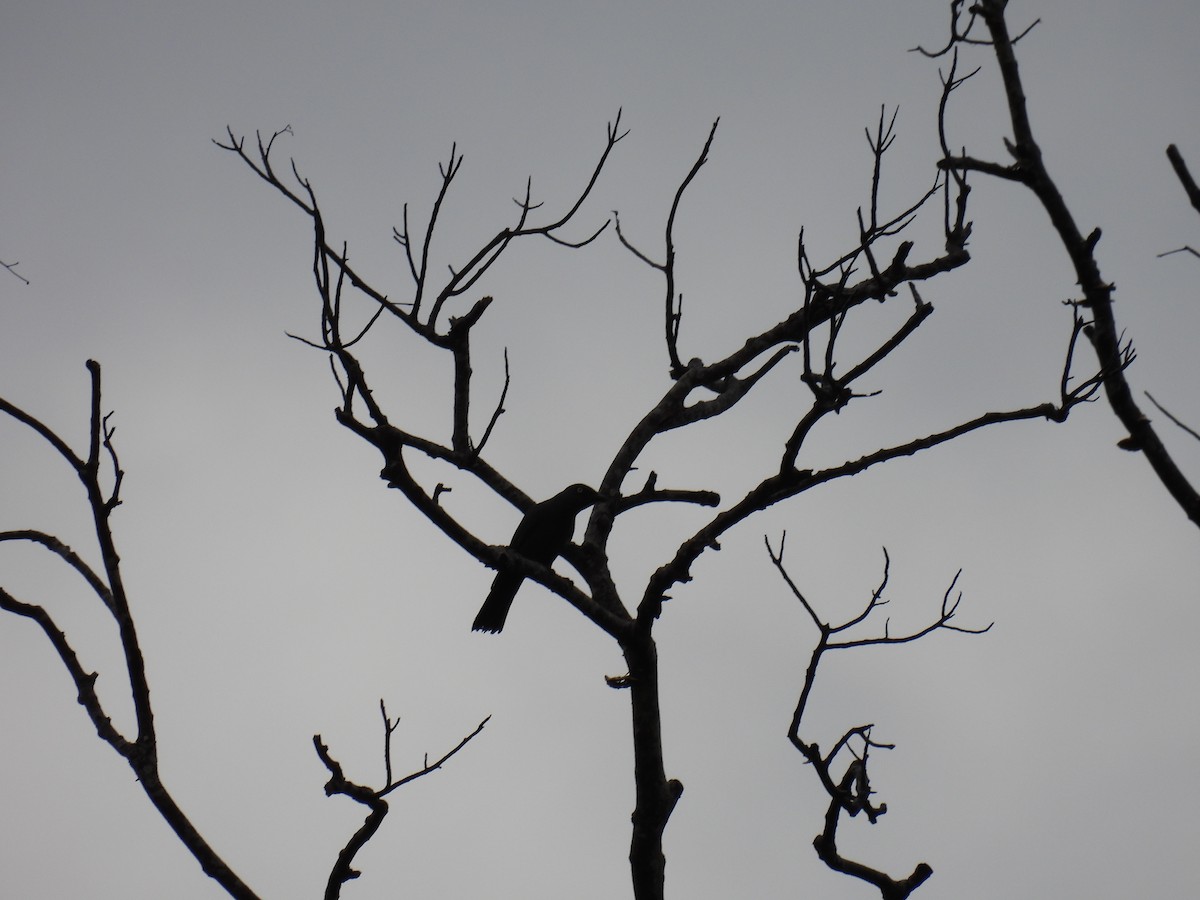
(543, 534)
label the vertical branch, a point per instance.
(1028, 168)
(673, 301)
(459, 341)
(141, 753)
(655, 794)
(448, 171)
(102, 507)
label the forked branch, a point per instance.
(373, 798)
(673, 304)
(100, 473)
(850, 792)
(12, 270)
(1029, 169)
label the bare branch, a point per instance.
(651, 493)
(851, 792)
(84, 681)
(958, 34)
(43, 431)
(1162, 409)
(673, 304)
(777, 561)
(498, 411)
(826, 847)
(12, 268)
(1185, 177)
(67, 555)
(448, 172)
(343, 868)
(1029, 169)
(141, 752)
(430, 767)
(949, 608)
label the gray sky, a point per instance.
(281, 591)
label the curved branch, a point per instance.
(43, 431)
(852, 792)
(67, 555)
(1098, 293)
(84, 681)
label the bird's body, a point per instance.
(542, 535)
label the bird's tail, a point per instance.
(499, 600)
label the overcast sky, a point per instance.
(281, 590)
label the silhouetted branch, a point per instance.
(67, 555)
(787, 483)
(141, 751)
(373, 798)
(1029, 169)
(652, 493)
(12, 268)
(1189, 187)
(851, 791)
(1166, 412)
(960, 34)
(1185, 177)
(498, 411)
(673, 306)
(333, 274)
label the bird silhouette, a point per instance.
(541, 536)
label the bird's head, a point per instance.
(580, 496)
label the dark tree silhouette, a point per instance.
(833, 296)
(879, 277)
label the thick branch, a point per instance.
(1185, 177)
(1105, 337)
(889, 888)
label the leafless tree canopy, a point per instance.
(835, 297)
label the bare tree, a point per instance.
(832, 298)
(876, 283)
